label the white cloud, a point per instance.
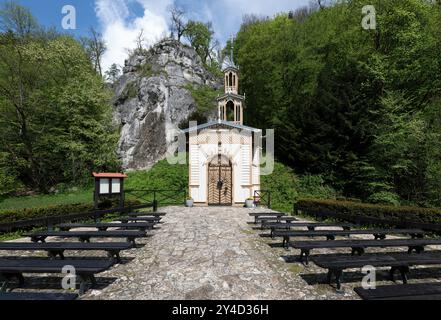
(120, 28)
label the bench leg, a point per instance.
(84, 239)
(132, 240)
(358, 251)
(330, 237)
(417, 249)
(311, 228)
(285, 243)
(338, 277)
(102, 229)
(54, 253)
(379, 236)
(304, 256)
(37, 239)
(114, 254)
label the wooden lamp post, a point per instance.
(109, 185)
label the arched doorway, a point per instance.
(220, 182)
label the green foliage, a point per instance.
(55, 114)
(286, 187)
(352, 210)
(387, 198)
(352, 105)
(145, 70)
(205, 98)
(200, 35)
(66, 197)
(163, 176)
(131, 90)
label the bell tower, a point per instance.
(231, 103)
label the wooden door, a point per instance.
(220, 185)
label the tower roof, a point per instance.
(229, 64)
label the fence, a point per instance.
(263, 198)
(156, 198)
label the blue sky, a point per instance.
(121, 20)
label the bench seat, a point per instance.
(310, 225)
(396, 261)
(139, 219)
(143, 226)
(85, 270)
(359, 246)
(419, 291)
(57, 248)
(36, 296)
(379, 234)
(85, 236)
(147, 214)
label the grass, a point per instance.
(38, 201)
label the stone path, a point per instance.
(208, 253)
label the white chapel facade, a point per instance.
(224, 158)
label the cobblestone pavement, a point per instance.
(209, 253)
(214, 253)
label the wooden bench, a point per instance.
(147, 214)
(396, 261)
(139, 219)
(143, 226)
(419, 291)
(331, 234)
(257, 215)
(85, 236)
(310, 225)
(85, 270)
(359, 246)
(265, 220)
(36, 296)
(55, 249)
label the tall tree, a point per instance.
(95, 47)
(178, 24)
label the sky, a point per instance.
(120, 21)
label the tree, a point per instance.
(112, 75)
(95, 47)
(16, 19)
(54, 112)
(178, 24)
(200, 36)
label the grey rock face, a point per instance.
(151, 99)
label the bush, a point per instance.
(353, 210)
(385, 197)
(53, 211)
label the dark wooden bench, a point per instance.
(257, 215)
(36, 296)
(419, 291)
(85, 270)
(85, 236)
(139, 219)
(147, 214)
(379, 234)
(143, 226)
(265, 220)
(55, 249)
(359, 246)
(396, 261)
(310, 225)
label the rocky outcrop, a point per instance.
(152, 98)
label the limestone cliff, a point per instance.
(152, 96)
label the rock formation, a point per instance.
(152, 97)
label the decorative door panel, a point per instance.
(220, 185)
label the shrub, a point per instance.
(353, 210)
(385, 197)
(52, 211)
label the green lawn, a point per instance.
(80, 196)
